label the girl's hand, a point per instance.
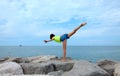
(45, 41)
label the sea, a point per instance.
(90, 53)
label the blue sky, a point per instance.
(29, 22)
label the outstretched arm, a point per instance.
(48, 40)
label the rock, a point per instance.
(10, 59)
(56, 73)
(85, 68)
(107, 65)
(35, 59)
(15, 59)
(64, 66)
(3, 59)
(8, 74)
(39, 59)
(46, 67)
(21, 60)
(41, 64)
(67, 58)
(117, 70)
(23, 75)
(37, 68)
(10, 67)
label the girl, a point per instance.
(63, 38)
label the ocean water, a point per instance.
(90, 53)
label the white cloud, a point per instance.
(35, 17)
(56, 31)
(93, 32)
(110, 16)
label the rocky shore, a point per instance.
(52, 66)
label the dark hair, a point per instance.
(51, 36)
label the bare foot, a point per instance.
(63, 60)
(84, 23)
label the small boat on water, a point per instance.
(20, 45)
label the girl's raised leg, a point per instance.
(76, 29)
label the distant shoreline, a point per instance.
(90, 53)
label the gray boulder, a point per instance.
(64, 66)
(21, 60)
(117, 70)
(37, 68)
(56, 73)
(107, 65)
(39, 59)
(3, 59)
(14, 59)
(10, 67)
(34, 59)
(85, 68)
(46, 67)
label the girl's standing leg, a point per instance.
(64, 50)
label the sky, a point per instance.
(29, 22)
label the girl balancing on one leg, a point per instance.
(63, 38)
